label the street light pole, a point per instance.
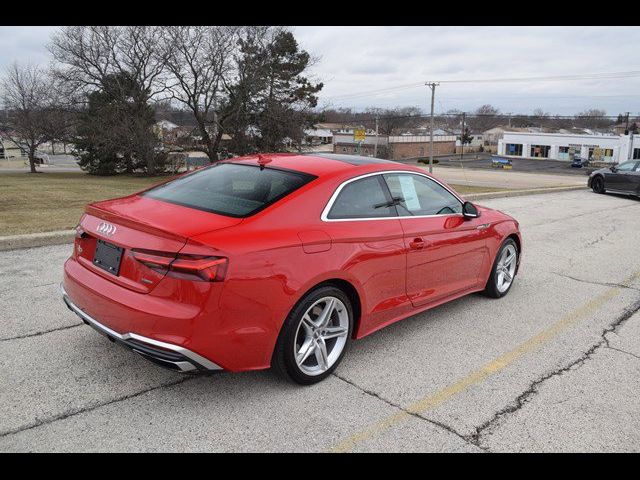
(432, 86)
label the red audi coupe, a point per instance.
(280, 260)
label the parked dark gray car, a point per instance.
(622, 178)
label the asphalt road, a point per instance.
(554, 366)
(500, 179)
(538, 165)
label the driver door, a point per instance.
(445, 251)
(621, 179)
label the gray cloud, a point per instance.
(357, 59)
(452, 53)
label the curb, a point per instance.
(521, 193)
(14, 242)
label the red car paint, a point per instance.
(396, 267)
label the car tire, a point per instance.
(597, 185)
(497, 285)
(307, 332)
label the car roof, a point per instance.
(318, 164)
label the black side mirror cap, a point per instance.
(469, 210)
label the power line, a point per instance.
(585, 76)
(484, 115)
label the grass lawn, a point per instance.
(51, 201)
(469, 189)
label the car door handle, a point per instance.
(417, 244)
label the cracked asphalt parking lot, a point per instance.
(554, 366)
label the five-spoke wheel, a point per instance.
(314, 336)
(504, 270)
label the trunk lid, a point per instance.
(142, 224)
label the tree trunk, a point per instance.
(151, 163)
(215, 146)
(212, 151)
(32, 160)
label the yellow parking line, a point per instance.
(477, 376)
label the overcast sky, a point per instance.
(356, 60)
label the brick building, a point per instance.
(419, 146)
(395, 147)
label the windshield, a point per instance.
(231, 189)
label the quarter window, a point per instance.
(417, 195)
(364, 198)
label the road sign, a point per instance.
(359, 135)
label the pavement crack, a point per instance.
(417, 415)
(622, 351)
(521, 400)
(37, 334)
(31, 287)
(603, 284)
(601, 237)
(77, 411)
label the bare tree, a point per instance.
(593, 118)
(28, 100)
(395, 120)
(90, 58)
(200, 61)
(485, 117)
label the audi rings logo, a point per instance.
(106, 229)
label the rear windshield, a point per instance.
(230, 189)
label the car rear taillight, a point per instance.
(184, 266)
(77, 242)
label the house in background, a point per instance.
(494, 134)
(318, 136)
(9, 148)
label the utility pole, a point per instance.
(432, 86)
(630, 133)
(626, 128)
(509, 119)
(462, 138)
(375, 147)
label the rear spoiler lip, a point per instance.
(98, 212)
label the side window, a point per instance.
(626, 166)
(364, 198)
(418, 195)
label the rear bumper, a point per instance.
(165, 354)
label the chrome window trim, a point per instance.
(325, 213)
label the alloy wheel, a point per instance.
(506, 268)
(321, 336)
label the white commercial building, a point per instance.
(558, 146)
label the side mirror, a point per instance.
(613, 168)
(469, 210)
